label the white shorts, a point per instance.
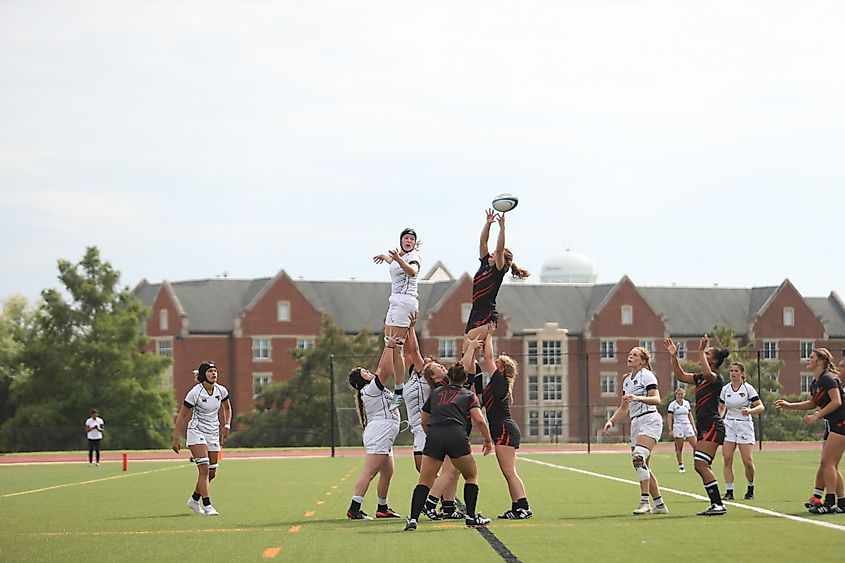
(419, 438)
(681, 431)
(196, 437)
(379, 436)
(739, 431)
(650, 425)
(400, 308)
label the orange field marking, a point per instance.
(321, 502)
(309, 514)
(271, 552)
(294, 529)
(334, 486)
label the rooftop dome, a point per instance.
(569, 267)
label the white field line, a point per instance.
(821, 523)
(88, 482)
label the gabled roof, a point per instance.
(832, 312)
(531, 306)
(692, 311)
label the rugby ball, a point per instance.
(505, 202)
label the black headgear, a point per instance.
(408, 231)
(204, 367)
(356, 380)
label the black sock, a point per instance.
(206, 501)
(830, 499)
(514, 506)
(448, 507)
(470, 497)
(841, 503)
(522, 503)
(354, 506)
(750, 490)
(382, 508)
(195, 496)
(713, 492)
(418, 500)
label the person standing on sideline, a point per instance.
(682, 424)
(496, 398)
(711, 428)
(199, 421)
(94, 429)
(641, 397)
(828, 394)
(737, 402)
(488, 280)
(378, 412)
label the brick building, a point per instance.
(571, 340)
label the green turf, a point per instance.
(72, 512)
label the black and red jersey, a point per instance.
(450, 405)
(485, 285)
(494, 398)
(820, 391)
(707, 399)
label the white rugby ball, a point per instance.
(505, 202)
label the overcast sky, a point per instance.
(695, 143)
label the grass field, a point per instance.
(293, 509)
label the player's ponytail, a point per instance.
(516, 271)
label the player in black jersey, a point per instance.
(826, 393)
(711, 429)
(496, 398)
(488, 279)
(443, 419)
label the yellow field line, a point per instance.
(89, 482)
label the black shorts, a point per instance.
(837, 427)
(481, 318)
(505, 433)
(448, 440)
(713, 431)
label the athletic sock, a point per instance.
(522, 503)
(830, 499)
(729, 487)
(355, 505)
(448, 507)
(470, 497)
(431, 502)
(713, 493)
(658, 502)
(382, 505)
(206, 501)
(818, 493)
(418, 500)
(643, 498)
(196, 496)
(841, 503)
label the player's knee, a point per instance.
(639, 458)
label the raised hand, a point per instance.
(491, 216)
(670, 346)
(379, 258)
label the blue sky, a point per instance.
(675, 142)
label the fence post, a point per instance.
(760, 392)
(587, 386)
(331, 400)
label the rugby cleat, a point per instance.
(454, 515)
(410, 525)
(826, 509)
(812, 502)
(643, 508)
(195, 506)
(210, 511)
(476, 521)
(748, 496)
(389, 513)
(659, 510)
(359, 515)
(518, 514)
(432, 514)
(713, 510)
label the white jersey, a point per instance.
(378, 402)
(680, 413)
(204, 407)
(401, 282)
(97, 423)
(639, 384)
(415, 393)
(735, 400)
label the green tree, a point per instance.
(86, 351)
(15, 327)
(297, 412)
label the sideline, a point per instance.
(821, 523)
(20, 493)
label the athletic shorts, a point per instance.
(681, 431)
(650, 424)
(447, 440)
(837, 427)
(419, 439)
(478, 318)
(400, 308)
(211, 439)
(379, 436)
(739, 431)
(505, 433)
(711, 431)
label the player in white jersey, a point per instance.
(199, 420)
(682, 423)
(641, 397)
(737, 402)
(379, 414)
(94, 431)
(404, 269)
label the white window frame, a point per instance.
(163, 320)
(550, 416)
(446, 348)
(552, 387)
(806, 381)
(532, 353)
(305, 343)
(259, 380)
(283, 311)
(262, 349)
(788, 316)
(164, 347)
(682, 349)
(649, 346)
(552, 355)
(533, 423)
(805, 348)
(607, 350)
(627, 315)
(534, 388)
(770, 349)
(608, 384)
